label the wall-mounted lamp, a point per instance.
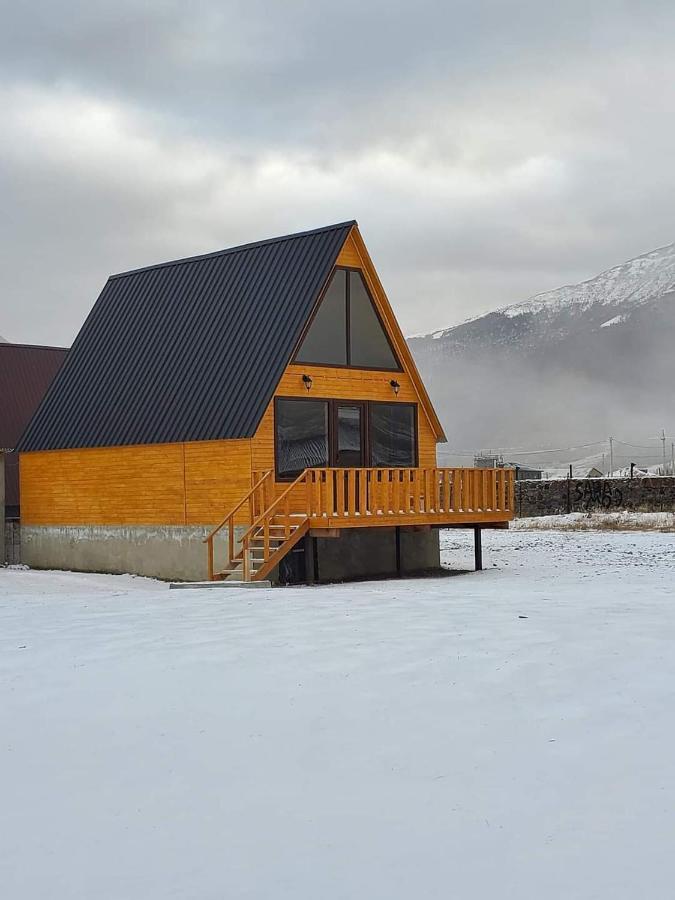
(307, 381)
(395, 385)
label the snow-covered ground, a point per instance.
(604, 521)
(506, 734)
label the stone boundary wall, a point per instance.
(12, 552)
(560, 496)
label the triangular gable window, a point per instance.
(346, 329)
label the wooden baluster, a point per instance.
(477, 473)
(327, 487)
(340, 492)
(318, 492)
(447, 499)
(209, 547)
(287, 515)
(396, 492)
(266, 539)
(230, 540)
(246, 574)
(363, 492)
(369, 491)
(309, 481)
(351, 492)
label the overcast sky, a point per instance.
(489, 150)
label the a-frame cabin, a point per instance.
(253, 413)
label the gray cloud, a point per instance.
(489, 150)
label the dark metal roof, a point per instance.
(26, 371)
(187, 350)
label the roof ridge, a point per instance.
(237, 249)
(33, 346)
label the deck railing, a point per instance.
(352, 493)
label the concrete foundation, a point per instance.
(172, 553)
(176, 553)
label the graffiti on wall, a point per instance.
(597, 493)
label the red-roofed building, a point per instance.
(26, 371)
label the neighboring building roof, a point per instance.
(187, 350)
(26, 371)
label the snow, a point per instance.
(625, 520)
(499, 734)
(615, 320)
(639, 280)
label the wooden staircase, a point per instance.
(330, 499)
(274, 530)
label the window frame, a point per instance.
(310, 321)
(416, 432)
(332, 419)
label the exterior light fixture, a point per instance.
(395, 385)
(307, 381)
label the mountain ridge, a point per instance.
(596, 354)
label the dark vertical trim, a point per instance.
(316, 560)
(398, 551)
(184, 488)
(348, 313)
(478, 547)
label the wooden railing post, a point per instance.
(246, 560)
(209, 547)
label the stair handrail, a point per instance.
(230, 518)
(267, 513)
(264, 520)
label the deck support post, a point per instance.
(478, 547)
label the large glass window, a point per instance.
(326, 340)
(301, 435)
(369, 345)
(349, 449)
(346, 329)
(392, 435)
(349, 433)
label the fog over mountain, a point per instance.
(576, 364)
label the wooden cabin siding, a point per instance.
(217, 475)
(349, 255)
(140, 485)
(153, 484)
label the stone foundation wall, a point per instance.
(551, 498)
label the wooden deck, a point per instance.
(326, 498)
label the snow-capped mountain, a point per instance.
(598, 356)
(607, 300)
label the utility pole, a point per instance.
(611, 455)
(663, 442)
(672, 458)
